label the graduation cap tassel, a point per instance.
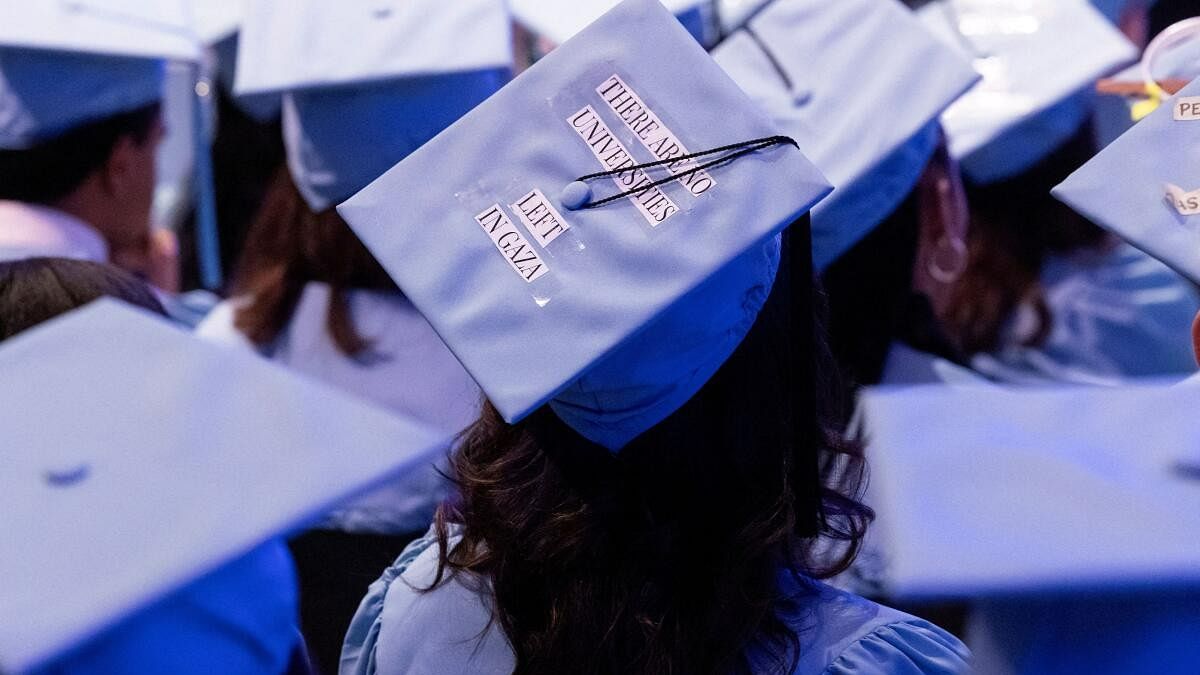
(736, 151)
(806, 431)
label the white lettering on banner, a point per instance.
(540, 217)
(1186, 203)
(1187, 109)
(652, 133)
(653, 203)
(508, 240)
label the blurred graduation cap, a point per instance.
(859, 84)
(64, 64)
(558, 21)
(1145, 186)
(364, 85)
(551, 281)
(1039, 60)
(191, 457)
(988, 491)
(217, 24)
(216, 20)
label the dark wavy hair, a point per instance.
(287, 247)
(667, 556)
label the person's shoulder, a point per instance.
(219, 324)
(414, 620)
(843, 633)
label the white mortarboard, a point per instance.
(216, 20)
(368, 83)
(65, 64)
(558, 21)
(138, 458)
(1145, 186)
(217, 24)
(1038, 58)
(991, 491)
(826, 72)
(617, 311)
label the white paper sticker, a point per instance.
(1186, 203)
(651, 132)
(1187, 109)
(653, 203)
(540, 217)
(521, 256)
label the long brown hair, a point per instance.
(667, 556)
(289, 246)
(1015, 226)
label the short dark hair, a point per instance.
(39, 289)
(52, 169)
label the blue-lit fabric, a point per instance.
(612, 276)
(1027, 143)
(46, 93)
(1117, 315)
(826, 72)
(559, 21)
(1131, 633)
(1123, 188)
(696, 21)
(340, 139)
(400, 629)
(854, 211)
(648, 377)
(239, 620)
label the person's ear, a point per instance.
(944, 222)
(120, 172)
(948, 211)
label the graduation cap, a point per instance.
(565, 249)
(364, 85)
(214, 21)
(1145, 186)
(558, 21)
(859, 84)
(67, 64)
(138, 458)
(1038, 59)
(989, 491)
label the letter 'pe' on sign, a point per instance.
(610, 272)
